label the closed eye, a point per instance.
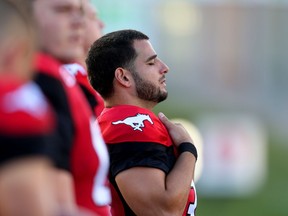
(63, 8)
(151, 62)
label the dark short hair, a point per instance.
(109, 52)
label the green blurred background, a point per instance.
(225, 56)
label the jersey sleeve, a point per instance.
(140, 154)
(27, 123)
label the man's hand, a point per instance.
(177, 132)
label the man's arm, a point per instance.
(149, 191)
(26, 188)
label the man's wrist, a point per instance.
(188, 147)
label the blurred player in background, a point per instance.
(93, 30)
(27, 122)
(83, 159)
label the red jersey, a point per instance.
(136, 137)
(94, 98)
(86, 155)
(27, 121)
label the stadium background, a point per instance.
(226, 58)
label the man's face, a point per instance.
(60, 26)
(149, 73)
(93, 25)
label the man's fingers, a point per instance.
(164, 120)
(176, 130)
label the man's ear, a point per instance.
(15, 58)
(123, 77)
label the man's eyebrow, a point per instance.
(151, 57)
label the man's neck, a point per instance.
(125, 101)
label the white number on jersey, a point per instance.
(101, 193)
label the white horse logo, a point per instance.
(136, 122)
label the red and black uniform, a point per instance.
(27, 122)
(136, 137)
(96, 102)
(83, 151)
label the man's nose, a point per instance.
(78, 18)
(164, 68)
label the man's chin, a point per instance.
(163, 97)
(70, 57)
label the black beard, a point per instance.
(147, 91)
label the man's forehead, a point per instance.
(62, 2)
(143, 48)
(89, 6)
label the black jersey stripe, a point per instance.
(37, 145)
(54, 91)
(134, 154)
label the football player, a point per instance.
(152, 159)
